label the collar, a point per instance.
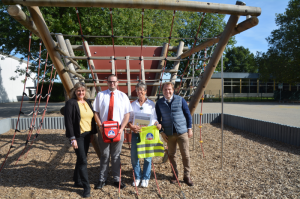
(109, 91)
(137, 101)
(170, 98)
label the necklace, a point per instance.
(141, 106)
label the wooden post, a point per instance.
(213, 62)
(160, 66)
(50, 45)
(128, 77)
(142, 69)
(91, 63)
(63, 46)
(177, 63)
(113, 69)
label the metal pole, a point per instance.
(191, 6)
(194, 132)
(222, 116)
(213, 62)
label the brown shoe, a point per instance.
(173, 179)
(188, 181)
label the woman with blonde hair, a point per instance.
(80, 127)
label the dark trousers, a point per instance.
(80, 173)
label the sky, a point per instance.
(255, 38)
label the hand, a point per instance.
(100, 129)
(158, 125)
(190, 133)
(74, 144)
(121, 131)
(164, 136)
(135, 128)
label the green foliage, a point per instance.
(57, 94)
(282, 60)
(239, 59)
(97, 21)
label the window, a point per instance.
(269, 89)
(262, 89)
(253, 82)
(235, 89)
(245, 89)
(253, 89)
(227, 89)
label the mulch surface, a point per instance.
(253, 167)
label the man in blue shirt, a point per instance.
(174, 115)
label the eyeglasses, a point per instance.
(110, 82)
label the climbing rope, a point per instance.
(41, 123)
(85, 48)
(16, 129)
(142, 37)
(175, 174)
(170, 36)
(191, 50)
(156, 180)
(36, 112)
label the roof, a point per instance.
(235, 75)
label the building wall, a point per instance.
(12, 90)
(214, 88)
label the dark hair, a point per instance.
(76, 86)
(112, 75)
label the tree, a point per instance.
(239, 59)
(96, 21)
(282, 60)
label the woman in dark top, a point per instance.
(80, 127)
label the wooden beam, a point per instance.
(171, 48)
(176, 64)
(213, 63)
(126, 70)
(91, 63)
(17, 13)
(128, 76)
(245, 25)
(124, 58)
(191, 6)
(123, 84)
(63, 47)
(50, 45)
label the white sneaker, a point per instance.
(145, 183)
(137, 183)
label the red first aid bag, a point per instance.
(110, 132)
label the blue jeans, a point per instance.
(136, 163)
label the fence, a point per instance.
(280, 132)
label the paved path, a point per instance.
(12, 109)
(288, 114)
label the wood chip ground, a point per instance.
(253, 167)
